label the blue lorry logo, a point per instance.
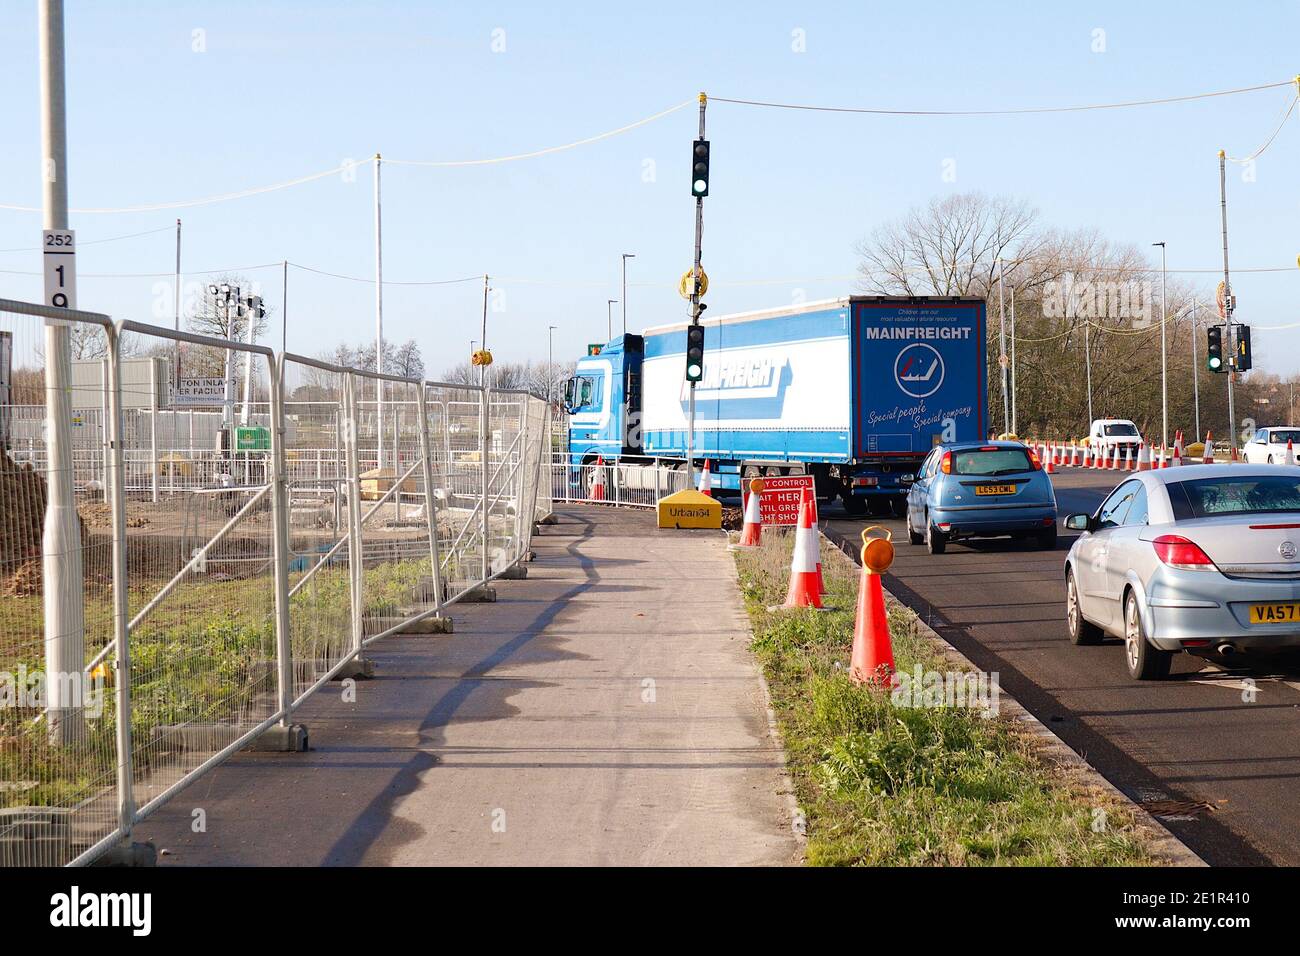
(918, 370)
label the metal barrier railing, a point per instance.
(591, 478)
(202, 609)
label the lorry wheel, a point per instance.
(854, 505)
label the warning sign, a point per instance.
(778, 502)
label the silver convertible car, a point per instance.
(1198, 558)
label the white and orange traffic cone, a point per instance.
(751, 535)
(1144, 457)
(598, 482)
(1207, 454)
(1074, 455)
(804, 591)
(1164, 462)
(1087, 463)
(1178, 448)
(871, 660)
(1290, 453)
(706, 480)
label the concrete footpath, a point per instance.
(605, 711)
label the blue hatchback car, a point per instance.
(973, 490)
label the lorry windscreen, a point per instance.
(998, 461)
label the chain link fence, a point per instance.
(168, 600)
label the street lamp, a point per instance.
(609, 318)
(626, 256)
(1164, 364)
(550, 362)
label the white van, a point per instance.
(1107, 434)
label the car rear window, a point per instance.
(998, 461)
(1118, 431)
(1235, 495)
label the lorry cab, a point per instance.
(602, 399)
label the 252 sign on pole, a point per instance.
(59, 248)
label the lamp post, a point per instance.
(550, 362)
(609, 318)
(1164, 364)
(626, 256)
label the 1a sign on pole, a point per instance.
(59, 248)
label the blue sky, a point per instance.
(287, 89)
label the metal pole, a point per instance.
(1087, 364)
(280, 523)
(1196, 376)
(64, 600)
(430, 508)
(485, 416)
(609, 319)
(1227, 308)
(284, 309)
(250, 334)
(695, 315)
(626, 256)
(1164, 363)
(353, 481)
(177, 298)
(1014, 427)
(1002, 352)
(121, 595)
(550, 363)
(153, 429)
(379, 320)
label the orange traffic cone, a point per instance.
(804, 591)
(1178, 449)
(1144, 457)
(751, 536)
(1207, 456)
(706, 480)
(872, 659)
(598, 485)
(1164, 462)
(1087, 456)
(1290, 453)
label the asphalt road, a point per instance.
(1192, 738)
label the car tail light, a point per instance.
(945, 463)
(1179, 552)
(1034, 462)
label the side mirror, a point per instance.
(1078, 522)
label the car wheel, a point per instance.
(1081, 631)
(935, 542)
(854, 504)
(1046, 540)
(912, 535)
(1144, 661)
(1270, 459)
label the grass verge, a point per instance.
(882, 784)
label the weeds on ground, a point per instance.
(881, 784)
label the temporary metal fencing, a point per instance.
(637, 483)
(195, 615)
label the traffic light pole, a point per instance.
(1227, 308)
(695, 316)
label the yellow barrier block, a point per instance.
(689, 509)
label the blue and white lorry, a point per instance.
(855, 391)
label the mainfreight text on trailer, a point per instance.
(855, 391)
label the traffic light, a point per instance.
(694, 352)
(1214, 348)
(1243, 348)
(700, 168)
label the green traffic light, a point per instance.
(1215, 362)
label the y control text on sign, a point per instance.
(778, 502)
(60, 256)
